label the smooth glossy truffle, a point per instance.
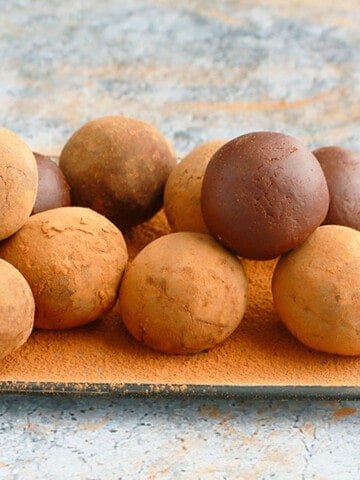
(316, 290)
(17, 308)
(53, 189)
(18, 182)
(118, 166)
(183, 293)
(73, 259)
(263, 194)
(183, 189)
(342, 171)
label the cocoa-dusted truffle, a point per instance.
(17, 309)
(263, 194)
(73, 259)
(342, 171)
(18, 182)
(53, 189)
(183, 293)
(118, 166)
(316, 290)
(183, 189)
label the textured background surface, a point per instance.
(208, 69)
(97, 438)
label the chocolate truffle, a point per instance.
(263, 194)
(342, 171)
(17, 308)
(183, 293)
(118, 166)
(73, 259)
(183, 189)
(316, 290)
(18, 182)
(53, 189)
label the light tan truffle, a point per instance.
(18, 182)
(316, 290)
(73, 259)
(183, 189)
(17, 309)
(183, 293)
(118, 166)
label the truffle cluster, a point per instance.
(62, 264)
(259, 196)
(264, 195)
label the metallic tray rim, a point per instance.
(183, 390)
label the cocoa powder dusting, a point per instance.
(260, 352)
(344, 412)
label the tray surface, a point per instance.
(260, 359)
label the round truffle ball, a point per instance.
(73, 259)
(18, 182)
(118, 166)
(342, 171)
(263, 194)
(183, 189)
(17, 308)
(53, 189)
(183, 293)
(316, 290)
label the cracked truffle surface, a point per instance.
(73, 259)
(18, 182)
(118, 166)
(183, 293)
(17, 309)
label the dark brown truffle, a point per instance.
(263, 194)
(118, 166)
(53, 189)
(342, 171)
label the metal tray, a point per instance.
(29, 371)
(185, 391)
(260, 360)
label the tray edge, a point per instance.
(183, 391)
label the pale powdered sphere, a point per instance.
(18, 182)
(183, 189)
(73, 259)
(183, 293)
(17, 309)
(316, 290)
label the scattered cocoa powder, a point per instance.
(260, 352)
(344, 412)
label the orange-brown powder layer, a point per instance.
(260, 352)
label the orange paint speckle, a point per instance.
(344, 412)
(209, 411)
